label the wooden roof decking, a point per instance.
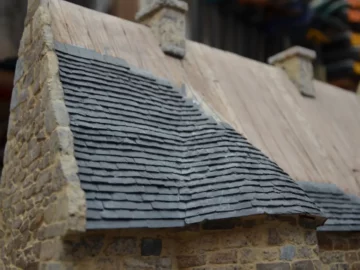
(311, 139)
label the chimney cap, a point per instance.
(293, 51)
(155, 5)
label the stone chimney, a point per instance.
(297, 63)
(167, 20)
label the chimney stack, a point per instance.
(167, 20)
(297, 63)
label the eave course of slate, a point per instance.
(150, 157)
(341, 210)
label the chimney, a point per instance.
(167, 20)
(297, 63)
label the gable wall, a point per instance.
(40, 195)
(339, 250)
(252, 243)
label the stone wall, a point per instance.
(339, 251)
(40, 196)
(247, 244)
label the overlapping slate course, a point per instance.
(149, 157)
(341, 210)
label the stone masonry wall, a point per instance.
(248, 244)
(40, 196)
(339, 251)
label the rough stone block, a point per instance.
(142, 263)
(247, 255)
(32, 6)
(303, 265)
(51, 250)
(42, 17)
(19, 70)
(235, 240)
(191, 261)
(355, 266)
(78, 249)
(151, 247)
(122, 246)
(274, 237)
(107, 263)
(56, 116)
(351, 257)
(270, 254)
(76, 207)
(56, 229)
(223, 257)
(354, 243)
(49, 68)
(304, 252)
(56, 211)
(310, 238)
(287, 253)
(340, 244)
(328, 257)
(273, 266)
(305, 221)
(340, 266)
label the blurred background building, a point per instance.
(255, 29)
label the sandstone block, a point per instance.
(351, 257)
(42, 17)
(303, 265)
(304, 252)
(328, 257)
(76, 207)
(37, 220)
(56, 229)
(247, 255)
(144, 263)
(340, 244)
(340, 266)
(355, 266)
(190, 261)
(274, 237)
(56, 116)
(223, 257)
(270, 254)
(310, 238)
(49, 69)
(122, 246)
(273, 266)
(32, 6)
(34, 149)
(354, 243)
(50, 250)
(56, 211)
(235, 240)
(79, 249)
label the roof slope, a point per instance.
(149, 157)
(341, 210)
(258, 100)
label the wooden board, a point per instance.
(311, 139)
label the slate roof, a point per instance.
(341, 210)
(150, 157)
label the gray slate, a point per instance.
(341, 210)
(149, 157)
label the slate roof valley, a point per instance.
(150, 157)
(341, 210)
